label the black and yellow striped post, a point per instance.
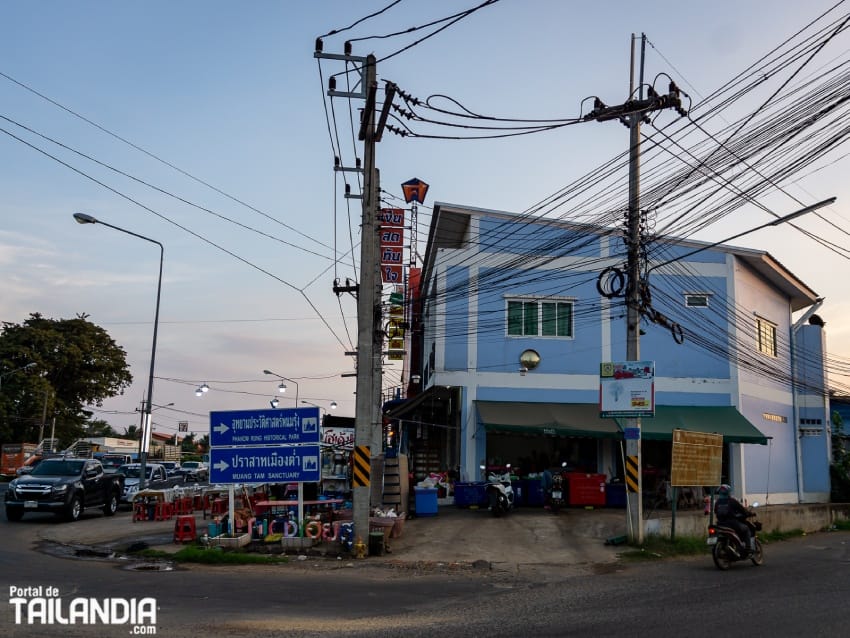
(632, 474)
(361, 470)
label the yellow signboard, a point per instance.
(697, 459)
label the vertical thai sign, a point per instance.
(391, 224)
(395, 327)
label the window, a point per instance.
(696, 300)
(540, 318)
(766, 336)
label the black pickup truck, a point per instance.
(65, 486)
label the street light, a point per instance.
(315, 405)
(82, 218)
(274, 402)
(6, 374)
(282, 387)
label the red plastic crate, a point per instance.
(586, 489)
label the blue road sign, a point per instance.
(631, 434)
(281, 464)
(264, 427)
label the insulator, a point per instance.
(347, 48)
(332, 83)
(319, 45)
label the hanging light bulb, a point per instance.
(274, 402)
(281, 388)
(333, 405)
(205, 388)
(199, 392)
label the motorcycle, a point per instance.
(500, 492)
(727, 547)
(556, 490)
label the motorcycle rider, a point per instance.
(730, 512)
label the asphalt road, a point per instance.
(800, 591)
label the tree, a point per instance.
(839, 470)
(99, 427)
(132, 432)
(188, 443)
(77, 364)
(204, 443)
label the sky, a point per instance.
(214, 117)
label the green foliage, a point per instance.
(187, 445)
(77, 364)
(839, 470)
(99, 427)
(215, 556)
(841, 524)
(658, 547)
(780, 535)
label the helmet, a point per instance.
(724, 491)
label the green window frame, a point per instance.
(539, 318)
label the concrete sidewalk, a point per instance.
(525, 537)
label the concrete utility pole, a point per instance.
(368, 303)
(633, 447)
(631, 113)
(367, 421)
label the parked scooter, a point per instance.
(500, 492)
(728, 547)
(556, 490)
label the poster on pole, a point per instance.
(627, 389)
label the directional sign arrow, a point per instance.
(221, 428)
(221, 466)
(287, 426)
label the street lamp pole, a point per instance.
(82, 218)
(283, 388)
(6, 374)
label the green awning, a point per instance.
(725, 420)
(582, 419)
(555, 419)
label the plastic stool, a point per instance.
(183, 506)
(219, 507)
(184, 529)
(164, 511)
(140, 512)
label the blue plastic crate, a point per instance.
(426, 501)
(470, 494)
(615, 495)
(534, 496)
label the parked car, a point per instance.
(157, 479)
(195, 471)
(33, 461)
(172, 468)
(113, 462)
(64, 486)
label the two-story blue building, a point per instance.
(515, 323)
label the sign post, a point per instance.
(627, 389)
(264, 446)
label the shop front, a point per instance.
(426, 429)
(575, 440)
